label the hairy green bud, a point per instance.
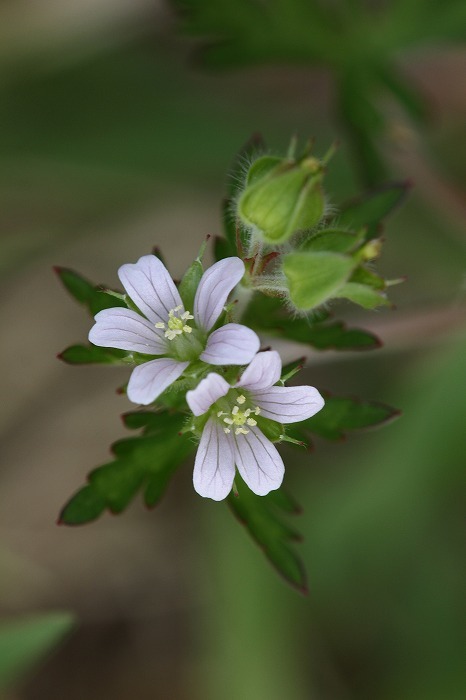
(282, 196)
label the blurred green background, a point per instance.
(116, 131)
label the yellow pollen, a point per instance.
(176, 326)
(239, 420)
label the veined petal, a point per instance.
(288, 404)
(264, 371)
(213, 290)
(152, 378)
(258, 462)
(232, 344)
(149, 285)
(127, 330)
(207, 392)
(214, 468)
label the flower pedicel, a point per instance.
(232, 435)
(171, 331)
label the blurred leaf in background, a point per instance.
(24, 643)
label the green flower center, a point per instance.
(239, 417)
(177, 323)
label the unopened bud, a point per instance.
(282, 197)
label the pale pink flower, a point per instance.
(168, 329)
(232, 437)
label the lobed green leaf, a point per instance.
(268, 314)
(147, 461)
(341, 415)
(372, 208)
(91, 354)
(93, 297)
(261, 517)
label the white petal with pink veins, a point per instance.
(264, 371)
(232, 344)
(214, 468)
(149, 380)
(212, 293)
(289, 404)
(258, 462)
(127, 330)
(207, 392)
(150, 287)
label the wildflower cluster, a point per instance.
(233, 418)
(195, 351)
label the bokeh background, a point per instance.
(116, 131)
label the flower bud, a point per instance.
(282, 197)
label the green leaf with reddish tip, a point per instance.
(334, 240)
(93, 297)
(342, 415)
(372, 208)
(269, 315)
(91, 354)
(147, 461)
(262, 517)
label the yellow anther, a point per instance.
(241, 431)
(160, 325)
(221, 413)
(241, 399)
(257, 410)
(235, 410)
(228, 421)
(226, 430)
(176, 326)
(251, 422)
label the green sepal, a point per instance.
(261, 515)
(93, 297)
(147, 461)
(314, 278)
(271, 429)
(333, 240)
(292, 368)
(341, 415)
(189, 284)
(372, 208)
(261, 168)
(365, 296)
(362, 275)
(91, 354)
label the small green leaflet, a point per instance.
(261, 515)
(25, 642)
(93, 297)
(91, 354)
(268, 314)
(341, 415)
(145, 462)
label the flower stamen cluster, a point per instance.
(239, 418)
(176, 324)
